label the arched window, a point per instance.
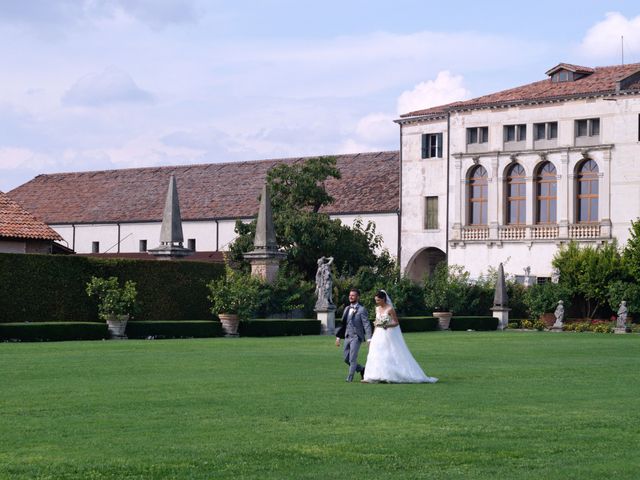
(516, 196)
(546, 194)
(478, 195)
(587, 188)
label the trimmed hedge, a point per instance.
(418, 324)
(42, 288)
(410, 324)
(174, 329)
(277, 328)
(52, 331)
(473, 323)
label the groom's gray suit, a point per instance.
(356, 329)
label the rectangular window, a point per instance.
(142, 245)
(95, 247)
(545, 131)
(430, 213)
(191, 244)
(432, 145)
(588, 128)
(477, 135)
(515, 133)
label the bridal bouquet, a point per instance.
(383, 321)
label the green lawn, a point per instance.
(509, 405)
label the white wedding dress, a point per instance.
(389, 359)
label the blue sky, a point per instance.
(101, 84)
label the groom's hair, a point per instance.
(355, 290)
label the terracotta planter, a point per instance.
(230, 322)
(444, 319)
(117, 324)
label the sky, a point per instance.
(105, 84)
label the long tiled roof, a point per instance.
(596, 81)
(16, 222)
(369, 184)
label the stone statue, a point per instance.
(555, 275)
(622, 315)
(559, 314)
(324, 284)
(527, 277)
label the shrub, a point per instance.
(52, 331)
(418, 324)
(235, 293)
(52, 287)
(276, 328)
(473, 323)
(543, 298)
(174, 329)
(112, 298)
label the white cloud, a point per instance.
(604, 38)
(446, 88)
(105, 88)
(378, 128)
(24, 158)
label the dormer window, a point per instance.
(562, 76)
(565, 72)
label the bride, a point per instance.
(389, 359)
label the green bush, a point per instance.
(473, 323)
(52, 331)
(174, 329)
(543, 298)
(277, 328)
(418, 324)
(52, 287)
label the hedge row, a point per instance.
(473, 323)
(418, 324)
(52, 331)
(276, 328)
(174, 329)
(43, 288)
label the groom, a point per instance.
(355, 329)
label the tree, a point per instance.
(297, 194)
(631, 252)
(588, 272)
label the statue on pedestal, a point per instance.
(622, 315)
(559, 314)
(324, 284)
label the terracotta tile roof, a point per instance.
(16, 222)
(369, 184)
(597, 81)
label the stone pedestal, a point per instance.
(327, 320)
(502, 314)
(620, 330)
(265, 267)
(556, 328)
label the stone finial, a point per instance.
(171, 237)
(265, 258)
(265, 238)
(171, 232)
(500, 298)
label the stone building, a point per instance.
(119, 212)
(511, 176)
(21, 232)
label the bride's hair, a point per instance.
(382, 295)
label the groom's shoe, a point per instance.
(350, 378)
(362, 373)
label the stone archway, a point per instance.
(424, 263)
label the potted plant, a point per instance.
(115, 303)
(233, 297)
(444, 290)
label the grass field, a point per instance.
(509, 405)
